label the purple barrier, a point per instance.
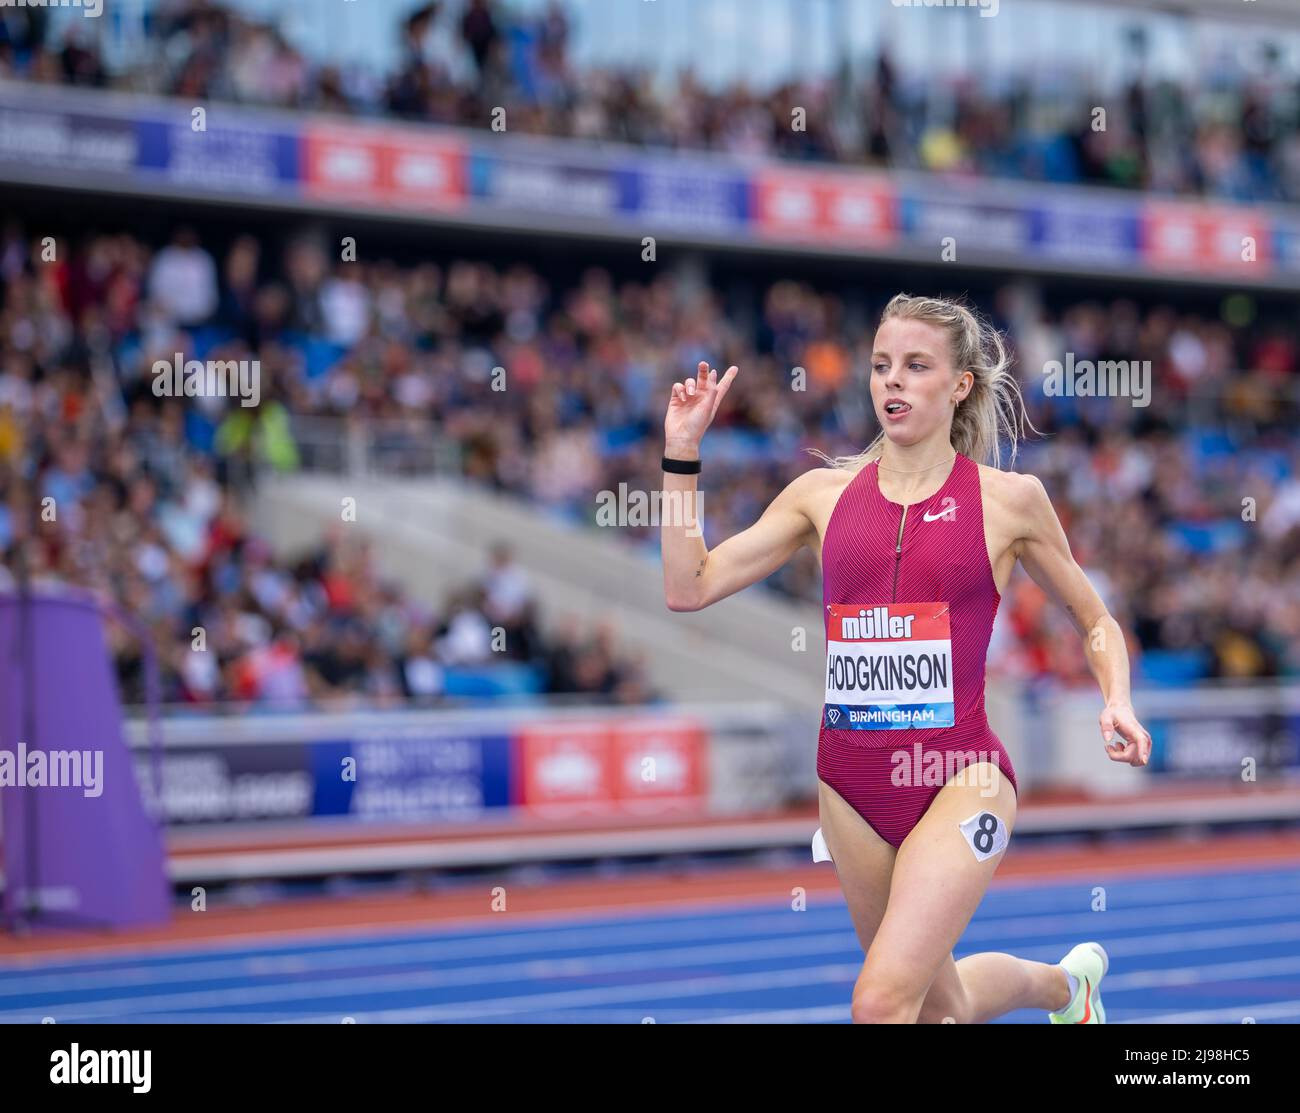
(79, 848)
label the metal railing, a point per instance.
(361, 447)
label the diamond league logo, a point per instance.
(832, 715)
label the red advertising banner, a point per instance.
(825, 205)
(660, 762)
(634, 766)
(1215, 238)
(384, 166)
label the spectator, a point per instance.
(506, 589)
(478, 28)
(183, 280)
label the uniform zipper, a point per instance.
(898, 553)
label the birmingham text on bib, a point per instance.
(888, 666)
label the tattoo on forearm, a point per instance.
(700, 570)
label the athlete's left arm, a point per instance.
(1044, 552)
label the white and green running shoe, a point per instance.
(1088, 962)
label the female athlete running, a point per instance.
(917, 537)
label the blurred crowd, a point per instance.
(1229, 132)
(106, 486)
(1184, 512)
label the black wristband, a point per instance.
(682, 467)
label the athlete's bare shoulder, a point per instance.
(826, 483)
(808, 493)
(819, 489)
(829, 478)
(1018, 490)
(1016, 500)
(813, 484)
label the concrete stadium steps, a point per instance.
(434, 535)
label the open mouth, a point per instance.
(896, 407)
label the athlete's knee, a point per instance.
(884, 1001)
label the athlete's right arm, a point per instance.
(694, 576)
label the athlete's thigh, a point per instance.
(938, 880)
(863, 861)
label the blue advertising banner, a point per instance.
(972, 223)
(546, 185)
(701, 199)
(403, 776)
(409, 777)
(1286, 245)
(67, 141)
(1086, 233)
(228, 159)
(1201, 746)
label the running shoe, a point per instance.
(1088, 962)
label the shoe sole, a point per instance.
(1098, 1009)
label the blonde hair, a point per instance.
(992, 412)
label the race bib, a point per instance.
(888, 666)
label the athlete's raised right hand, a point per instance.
(693, 404)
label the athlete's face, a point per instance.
(914, 386)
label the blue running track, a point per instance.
(1184, 947)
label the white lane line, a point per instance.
(520, 940)
(813, 1014)
(789, 924)
(508, 974)
(1175, 915)
(684, 987)
(1137, 894)
(1124, 947)
(742, 982)
(724, 984)
(792, 934)
(604, 995)
(518, 936)
(294, 940)
(1200, 974)
(535, 925)
(1230, 1014)
(595, 965)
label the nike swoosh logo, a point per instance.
(1087, 997)
(942, 514)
